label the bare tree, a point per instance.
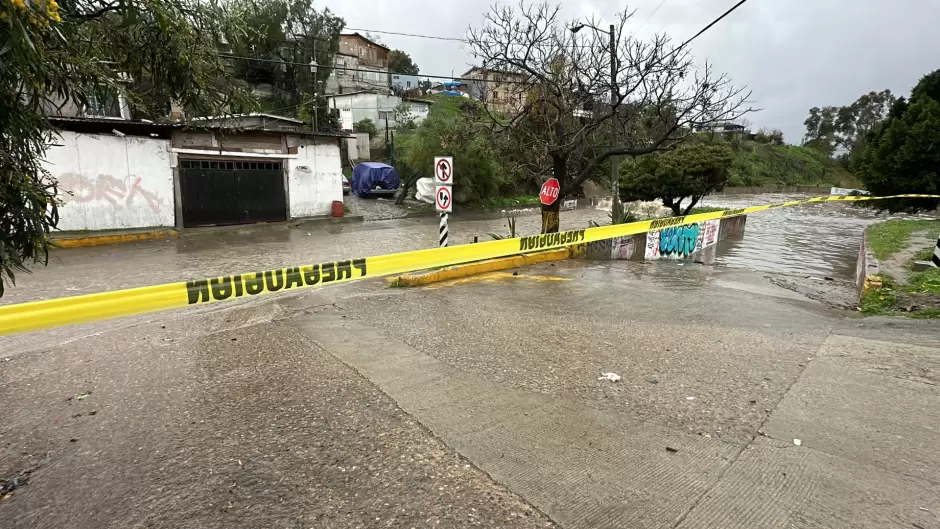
(575, 109)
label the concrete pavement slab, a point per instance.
(777, 485)
(582, 466)
(700, 357)
(219, 420)
(870, 401)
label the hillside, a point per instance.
(756, 164)
(762, 164)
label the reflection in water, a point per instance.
(812, 239)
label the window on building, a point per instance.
(386, 114)
(103, 102)
(407, 84)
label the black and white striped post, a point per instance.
(936, 254)
(443, 230)
(443, 192)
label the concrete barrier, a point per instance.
(866, 268)
(677, 242)
(811, 190)
(480, 267)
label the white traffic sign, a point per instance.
(443, 199)
(444, 170)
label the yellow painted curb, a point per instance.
(872, 282)
(114, 238)
(481, 267)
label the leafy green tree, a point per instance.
(458, 131)
(821, 130)
(562, 87)
(689, 172)
(901, 155)
(832, 128)
(404, 117)
(289, 46)
(400, 62)
(152, 51)
(365, 125)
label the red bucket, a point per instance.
(338, 209)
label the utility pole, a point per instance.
(614, 162)
(614, 96)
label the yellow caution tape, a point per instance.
(37, 315)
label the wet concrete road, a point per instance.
(473, 403)
(478, 403)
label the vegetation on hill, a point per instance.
(765, 164)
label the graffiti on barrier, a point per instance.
(710, 233)
(680, 241)
(623, 248)
(619, 248)
(109, 189)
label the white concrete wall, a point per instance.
(367, 105)
(315, 179)
(108, 182)
(419, 111)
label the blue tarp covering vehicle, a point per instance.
(372, 179)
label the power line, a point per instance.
(347, 69)
(661, 2)
(408, 34)
(706, 28)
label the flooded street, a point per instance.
(817, 239)
(814, 239)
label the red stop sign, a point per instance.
(550, 191)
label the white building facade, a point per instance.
(357, 106)
(119, 174)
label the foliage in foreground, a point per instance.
(152, 51)
(920, 298)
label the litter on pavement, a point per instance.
(613, 377)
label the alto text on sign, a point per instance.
(550, 191)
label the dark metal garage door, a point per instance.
(231, 192)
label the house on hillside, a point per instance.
(380, 108)
(502, 91)
(360, 64)
(402, 83)
(369, 53)
(351, 75)
(116, 172)
(726, 127)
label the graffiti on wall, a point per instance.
(619, 248)
(710, 232)
(677, 242)
(116, 192)
(623, 248)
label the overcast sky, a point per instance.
(793, 54)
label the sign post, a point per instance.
(443, 194)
